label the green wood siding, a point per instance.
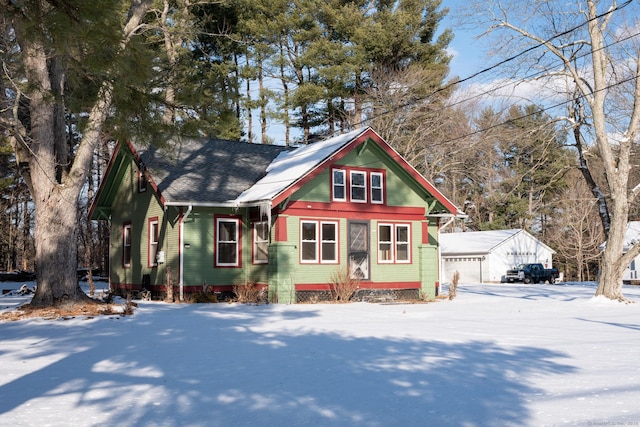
(285, 269)
(199, 251)
(137, 208)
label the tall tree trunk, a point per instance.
(285, 94)
(54, 182)
(264, 138)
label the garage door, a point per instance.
(468, 267)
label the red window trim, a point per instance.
(394, 242)
(367, 171)
(319, 241)
(238, 220)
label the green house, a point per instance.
(217, 214)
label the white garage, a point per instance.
(485, 256)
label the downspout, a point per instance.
(183, 218)
(440, 264)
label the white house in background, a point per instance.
(485, 256)
(631, 238)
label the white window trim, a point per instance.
(153, 241)
(319, 241)
(334, 242)
(142, 182)
(390, 242)
(394, 243)
(343, 185)
(364, 187)
(315, 242)
(371, 187)
(256, 240)
(127, 231)
(408, 243)
(236, 241)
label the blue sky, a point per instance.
(469, 56)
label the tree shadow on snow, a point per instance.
(153, 369)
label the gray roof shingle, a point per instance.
(207, 170)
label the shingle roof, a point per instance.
(292, 165)
(207, 170)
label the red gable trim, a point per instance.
(346, 149)
(102, 183)
(337, 155)
(149, 177)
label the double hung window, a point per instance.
(357, 186)
(318, 242)
(126, 245)
(227, 242)
(394, 244)
(260, 242)
(153, 242)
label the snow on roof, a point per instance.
(474, 242)
(632, 236)
(290, 166)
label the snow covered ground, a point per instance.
(497, 355)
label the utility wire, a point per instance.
(503, 62)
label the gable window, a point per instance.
(154, 232)
(260, 242)
(319, 242)
(339, 185)
(227, 242)
(358, 186)
(126, 245)
(376, 187)
(142, 180)
(394, 244)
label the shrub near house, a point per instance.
(222, 213)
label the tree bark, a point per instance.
(55, 183)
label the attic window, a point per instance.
(377, 192)
(358, 185)
(339, 185)
(142, 180)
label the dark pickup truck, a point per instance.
(531, 273)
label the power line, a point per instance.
(541, 110)
(503, 62)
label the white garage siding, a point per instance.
(470, 268)
(485, 256)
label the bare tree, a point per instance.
(599, 64)
(576, 236)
